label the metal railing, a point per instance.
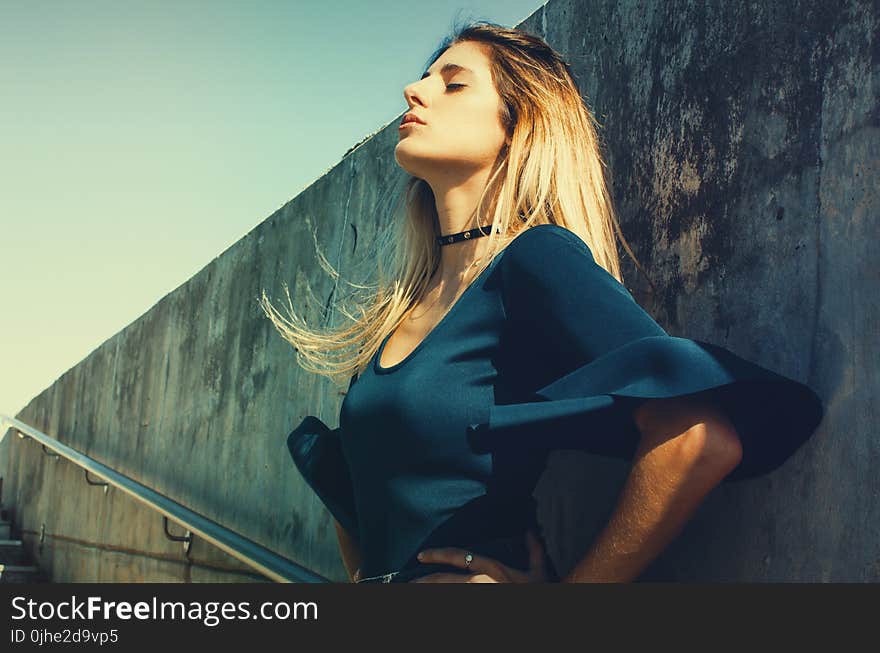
(265, 561)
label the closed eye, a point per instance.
(448, 86)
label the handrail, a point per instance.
(266, 561)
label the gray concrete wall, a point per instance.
(743, 144)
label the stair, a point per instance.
(21, 574)
(16, 565)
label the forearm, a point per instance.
(666, 485)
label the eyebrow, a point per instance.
(451, 66)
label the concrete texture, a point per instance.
(743, 142)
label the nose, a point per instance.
(409, 94)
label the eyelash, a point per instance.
(448, 86)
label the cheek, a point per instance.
(478, 134)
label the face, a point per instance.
(462, 133)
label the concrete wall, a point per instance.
(744, 147)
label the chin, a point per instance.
(407, 163)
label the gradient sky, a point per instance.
(139, 140)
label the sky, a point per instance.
(139, 140)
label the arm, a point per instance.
(686, 448)
(351, 555)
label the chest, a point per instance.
(415, 411)
(414, 328)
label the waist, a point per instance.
(511, 551)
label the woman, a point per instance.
(505, 333)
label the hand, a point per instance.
(484, 569)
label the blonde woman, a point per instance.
(504, 333)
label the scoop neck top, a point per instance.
(448, 315)
(544, 350)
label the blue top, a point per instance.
(543, 350)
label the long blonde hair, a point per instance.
(551, 171)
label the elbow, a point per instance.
(703, 433)
(703, 438)
(713, 445)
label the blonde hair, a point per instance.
(550, 171)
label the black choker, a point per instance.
(465, 235)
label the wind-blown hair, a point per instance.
(550, 171)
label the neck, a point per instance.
(456, 203)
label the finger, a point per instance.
(485, 578)
(442, 554)
(443, 578)
(536, 551)
(537, 558)
(455, 557)
(451, 556)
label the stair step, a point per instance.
(12, 552)
(21, 574)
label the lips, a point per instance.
(411, 117)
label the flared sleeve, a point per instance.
(317, 453)
(614, 357)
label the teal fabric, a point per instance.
(544, 350)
